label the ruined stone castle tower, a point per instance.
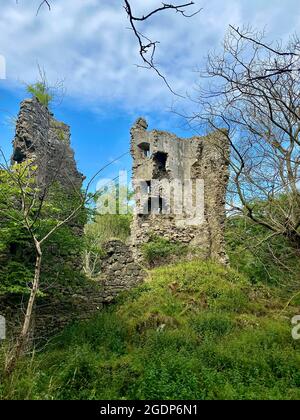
(41, 137)
(164, 166)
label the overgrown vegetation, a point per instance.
(16, 249)
(160, 250)
(194, 330)
(35, 225)
(41, 92)
(263, 259)
(108, 221)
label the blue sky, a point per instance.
(86, 44)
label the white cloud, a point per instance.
(87, 44)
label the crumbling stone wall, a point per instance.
(52, 314)
(119, 273)
(47, 141)
(159, 155)
(119, 270)
(41, 137)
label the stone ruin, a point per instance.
(41, 137)
(158, 156)
(164, 163)
(160, 159)
(164, 166)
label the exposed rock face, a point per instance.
(162, 161)
(41, 137)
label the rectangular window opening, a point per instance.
(145, 149)
(148, 187)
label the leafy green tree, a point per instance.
(29, 213)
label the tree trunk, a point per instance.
(18, 349)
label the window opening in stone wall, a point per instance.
(157, 205)
(160, 160)
(148, 183)
(153, 205)
(149, 204)
(160, 205)
(145, 149)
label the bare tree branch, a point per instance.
(149, 47)
(43, 3)
(261, 114)
(279, 67)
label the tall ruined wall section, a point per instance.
(159, 155)
(41, 137)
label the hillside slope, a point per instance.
(193, 331)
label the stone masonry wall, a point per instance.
(119, 273)
(119, 270)
(41, 137)
(162, 156)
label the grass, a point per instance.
(194, 330)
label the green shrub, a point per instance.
(14, 278)
(161, 249)
(40, 91)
